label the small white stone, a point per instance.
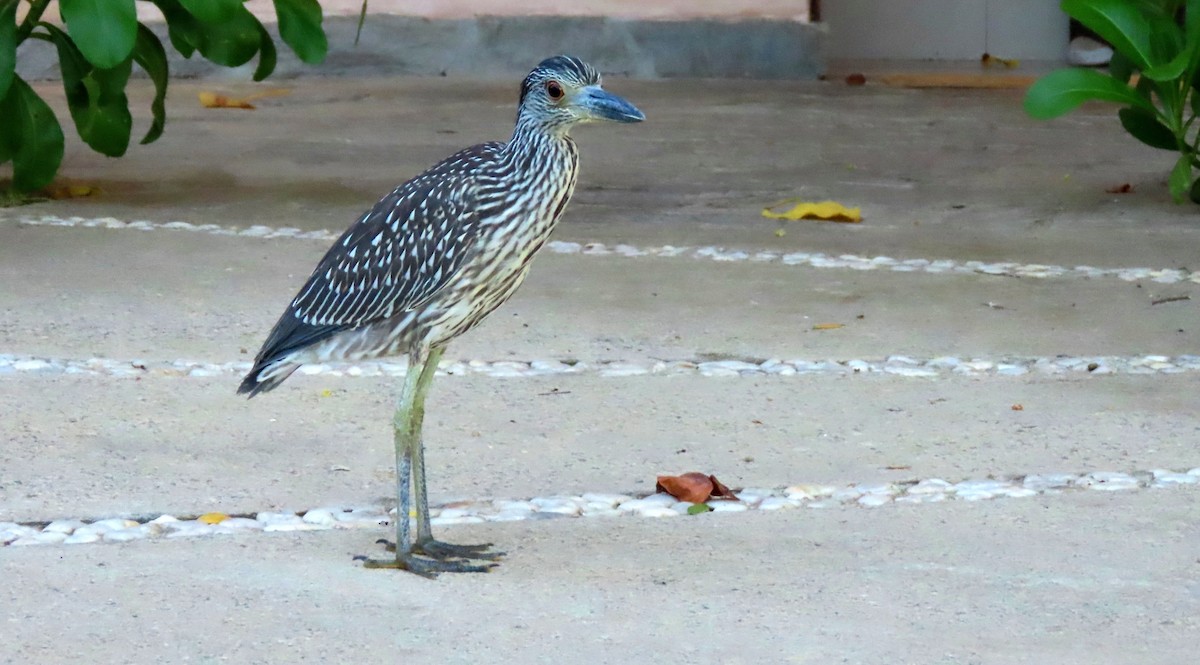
(112, 524)
(808, 491)
(921, 498)
(1165, 477)
(725, 506)
(930, 486)
(623, 369)
(31, 365)
(241, 523)
(81, 537)
(846, 494)
(320, 516)
(140, 532)
(571, 509)
(508, 516)
(874, 500)
(1045, 481)
(187, 529)
(1108, 481)
(267, 517)
(447, 521)
(1017, 492)
(63, 526)
(777, 503)
(610, 499)
(656, 511)
(301, 526)
(164, 519)
(514, 506)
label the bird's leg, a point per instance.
(410, 413)
(425, 542)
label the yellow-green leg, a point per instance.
(410, 464)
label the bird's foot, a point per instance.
(441, 551)
(427, 568)
(438, 558)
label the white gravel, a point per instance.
(901, 366)
(709, 253)
(474, 511)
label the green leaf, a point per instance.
(1147, 128)
(150, 55)
(231, 42)
(300, 28)
(698, 508)
(1194, 192)
(30, 135)
(213, 11)
(104, 30)
(95, 96)
(1191, 37)
(266, 57)
(8, 43)
(1119, 22)
(1058, 92)
(1180, 179)
(182, 27)
(1120, 68)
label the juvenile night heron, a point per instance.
(429, 262)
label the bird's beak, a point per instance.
(600, 104)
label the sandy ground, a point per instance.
(1078, 578)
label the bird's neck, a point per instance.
(535, 148)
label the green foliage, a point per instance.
(102, 41)
(1161, 109)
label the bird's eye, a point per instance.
(554, 90)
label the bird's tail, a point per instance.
(266, 376)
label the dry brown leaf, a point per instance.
(693, 487)
(1018, 407)
(720, 491)
(1124, 188)
(856, 79)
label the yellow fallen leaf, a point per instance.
(827, 210)
(828, 326)
(1009, 63)
(72, 191)
(214, 100)
(212, 518)
(211, 100)
(779, 233)
(326, 393)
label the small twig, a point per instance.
(556, 391)
(1171, 299)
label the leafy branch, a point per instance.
(1161, 107)
(102, 41)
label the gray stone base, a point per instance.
(510, 46)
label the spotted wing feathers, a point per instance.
(393, 259)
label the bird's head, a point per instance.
(564, 91)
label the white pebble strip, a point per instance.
(477, 511)
(710, 253)
(901, 366)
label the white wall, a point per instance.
(945, 29)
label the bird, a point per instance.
(431, 260)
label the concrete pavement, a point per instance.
(1079, 577)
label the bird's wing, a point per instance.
(396, 256)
